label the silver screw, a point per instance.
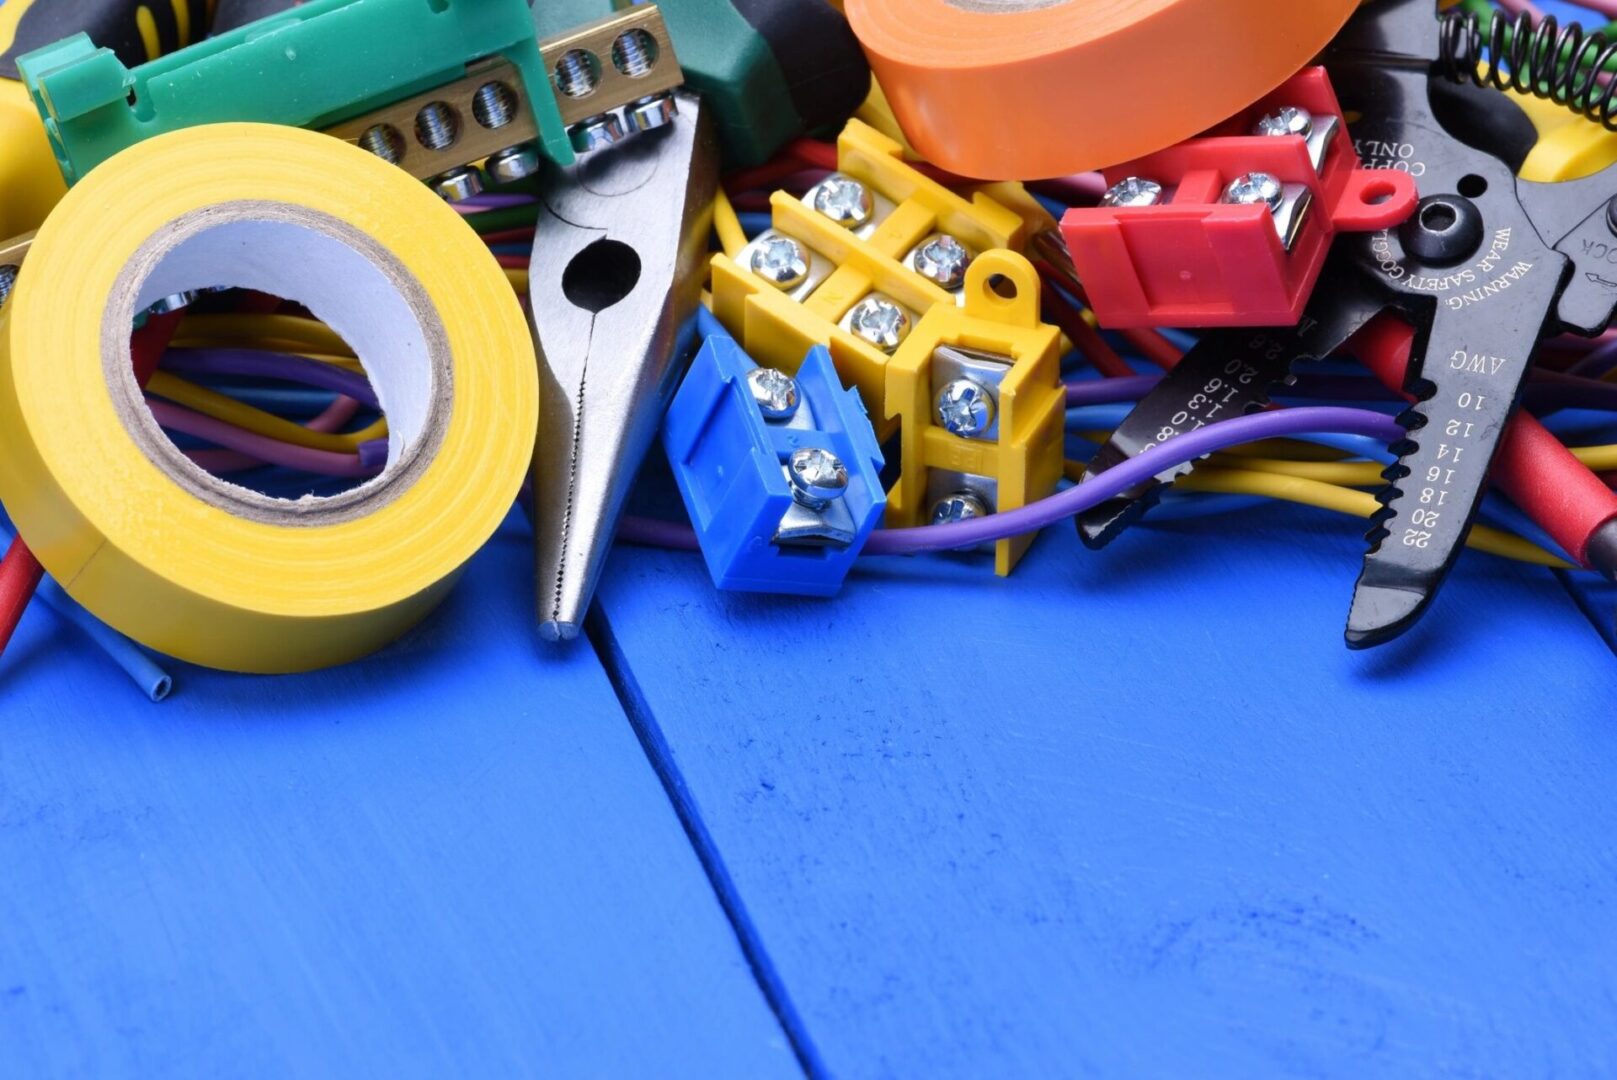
(437, 125)
(513, 163)
(1255, 187)
(1133, 191)
(845, 201)
(943, 259)
(384, 141)
(596, 133)
(817, 477)
(961, 506)
(634, 52)
(780, 261)
(458, 184)
(578, 73)
(880, 321)
(494, 105)
(173, 302)
(651, 112)
(965, 407)
(774, 391)
(8, 281)
(1286, 120)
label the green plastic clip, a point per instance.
(344, 66)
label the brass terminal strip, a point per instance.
(483, 115)
(611, 63)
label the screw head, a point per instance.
(780, 261)
(845, 201)
(817, 476)
(1286, 120)
(965, 407)
(513, 163)
(651, 112)
(961, 506)
(596, 133)
(458, 184)
(943, 259)
(1254, 187)
(774, 391)
(881, 322)
(1133, 191)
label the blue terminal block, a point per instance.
(781, 475)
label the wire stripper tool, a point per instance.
(1486, 267)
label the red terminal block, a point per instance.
(1232, 228)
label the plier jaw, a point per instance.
(616, 275)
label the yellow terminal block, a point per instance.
(977, 391)
(856, 263)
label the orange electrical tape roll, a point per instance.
(1028, 89)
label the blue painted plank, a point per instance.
(451, 859)
(1142, 814)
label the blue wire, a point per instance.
(1052, 207)
(754, 222)
(153, 681)
(1179, 339)
(1107, 417)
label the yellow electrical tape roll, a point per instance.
(194, 566)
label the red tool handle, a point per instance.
(1533, 468)
(20, 572)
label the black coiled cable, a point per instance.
(1563, 64)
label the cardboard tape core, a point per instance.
(346, 280)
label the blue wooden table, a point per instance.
(1136, 813)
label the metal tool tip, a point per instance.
(1380, 613)
(558, 631)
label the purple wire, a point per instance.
(1597, 361)
(492, 201)
(272, 451)
(655, 533)
(1109, 391)
(257, 363)
(1137, 470)
(1075, 500)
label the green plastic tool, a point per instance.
(768, 70)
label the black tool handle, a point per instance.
(112, 24)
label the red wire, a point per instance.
(508, 236)
(513, 262)
(1084, 337)
(20, 572)
(1532, 467)
(19, 577)
(1155, 348)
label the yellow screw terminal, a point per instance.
(866, 273)
(977, 393)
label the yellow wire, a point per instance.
(244, 416)
(1357, 503)
(517, 278)
(308, 333)
(288, 347)
(1325, 496)
(725, 222)
(1346, 474)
